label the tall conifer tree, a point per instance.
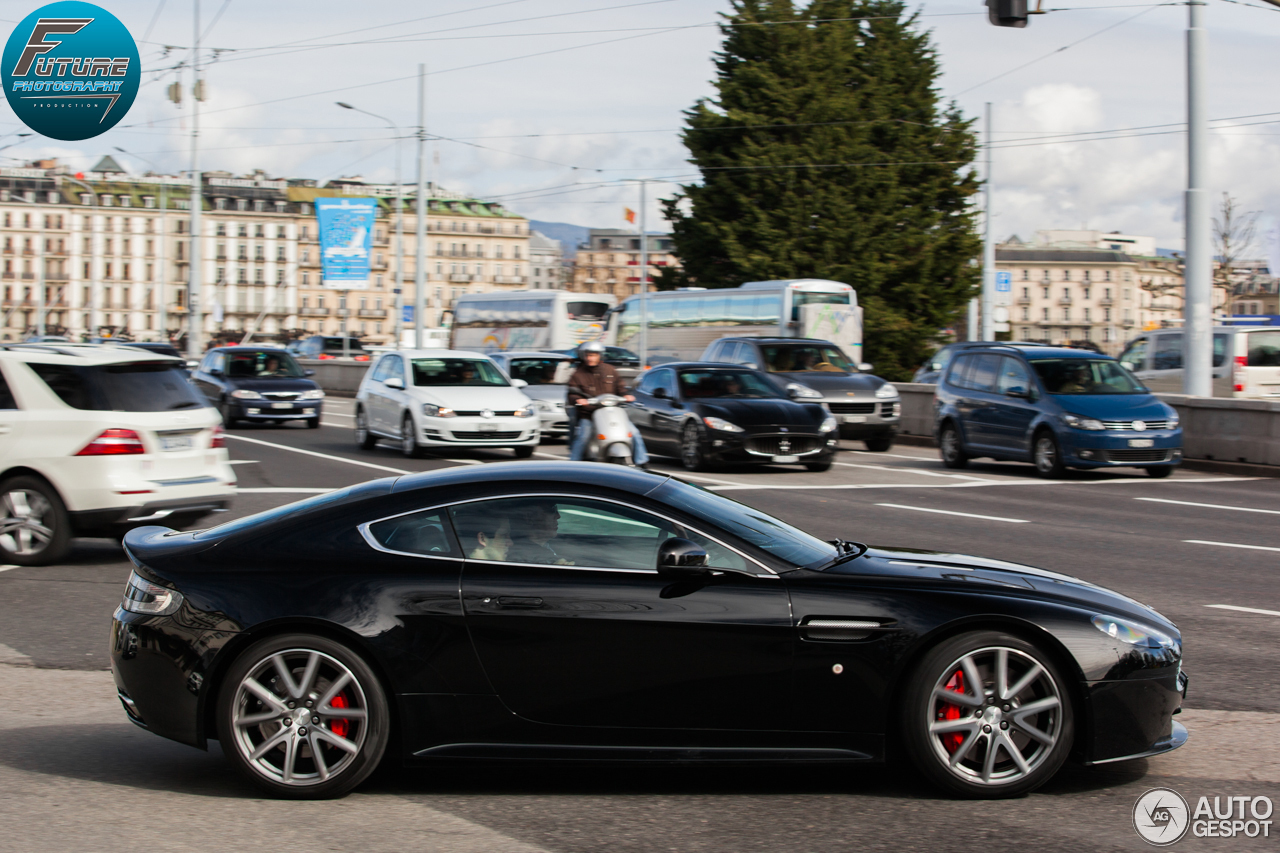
(848, 168)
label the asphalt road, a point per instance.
(1198, 547)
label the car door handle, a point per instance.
(517, 602)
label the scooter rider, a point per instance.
(593, 378)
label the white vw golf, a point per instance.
(443, 399)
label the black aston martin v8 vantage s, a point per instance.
(561, 610)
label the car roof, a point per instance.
(250, 348)
(704, 365)
(1049, 351)
(438, 353)
(775, 340)
(624, 478)
(531, 354)
(86, 354)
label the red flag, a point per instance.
(630, 215)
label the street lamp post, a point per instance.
(399, 279)
(162, 317)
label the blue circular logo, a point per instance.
(70, 70)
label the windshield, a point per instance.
(720, 384)
(266, 364)
(1085, 376)
(335, 344)
(620, 355)
(436, 372)
(586, 310)
(794, 359)
(536, 371)
(145, 386)
(801, 297)
(779, 539)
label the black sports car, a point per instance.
(706, 413)
(559, 610)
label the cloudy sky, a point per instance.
(549, 105)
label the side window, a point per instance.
(6, 396)
(424, 533)
(219, 361)
(716, 353)
(982, 377)
(381, 372)
(1135, 355)
(746, 354)
(1219, 350)
(564, 531)
(1013, 376)
(395, 368)
(651, 381)
(1264, 349)
(669, 382)
(1168, 353)
(959, 371)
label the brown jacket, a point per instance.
(594, 381)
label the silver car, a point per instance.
(547, 375)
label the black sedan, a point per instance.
(258, 384)
(570, 611)
(708, 413)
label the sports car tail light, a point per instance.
(149, 599)
(219, 438)
(114, 442)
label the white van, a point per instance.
(1246, 361)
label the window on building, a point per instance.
(1066, 275)
(1026, 293)
(219, 204)
(280, 231)
(1106, 314)
(242, 204)
(306, 278)
(1086, 292)
(1107, 275)
(1046, 292)
(220, 230)
(1046, 314)
(1086, 315)
(1086, 275)
(1026, 275)
(1026, 313)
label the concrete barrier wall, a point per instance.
(340, 378)
(917, 408)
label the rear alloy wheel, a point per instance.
(1159, 471)
(691, 455)
(228, 422)
(988, 716)
(35, 529)
(878, 445)
(949, 446)
(303, 717)
(365, 440)
(408, 438)
(1048, 456)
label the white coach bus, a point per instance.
(682, 323)
(529, 320)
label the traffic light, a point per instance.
(1007, 13)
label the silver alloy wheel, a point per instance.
(299, 717)
(1046, 453)
(995, 716)
(362, 427)
(24, 530)
(690, 447)
(950, 444)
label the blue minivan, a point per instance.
(1058, 408)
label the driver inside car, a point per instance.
(533, 527)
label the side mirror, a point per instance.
(308, 372)
(519, 383)
(659, 393)
(394, 382)
(1016, 391)
(864, 366)
(681, 559)
(751, 364)
(793, 392)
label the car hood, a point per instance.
(550, 393)
(1113, 407)
(275, 383)
(472, 397)
(977, 572)
(835, 384)
(763, 412)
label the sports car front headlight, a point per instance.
(246, 394)
(886, 391)
(1082, 423)
(804, 392)
(433, 411)
(828, 425)
(1133, 633)
(142, 596)
(313, 394)
(527, 412)
(721, 424)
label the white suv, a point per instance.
(95, 440)
(444, 398)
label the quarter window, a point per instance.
(426, 533)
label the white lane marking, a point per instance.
(1244, 609)
(338, 414)
(243, 462)
(1211, 506)
(933, 457)
(984, 484)
(921, 471)
(965, 514)
(284, 490)
(1230, 545)
(320, 455)
(7, 568)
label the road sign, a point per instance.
(407, 313)
(1004, 288)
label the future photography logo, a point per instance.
(70, 70)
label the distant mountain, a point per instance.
(568, 235)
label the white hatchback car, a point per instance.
(443, 399)
(96, 440)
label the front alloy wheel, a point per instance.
(303, 717)
(988, 716)
(953, 455)
(691, 456)
(408, 439)
(1048, 456)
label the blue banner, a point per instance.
(346, 235)
(408, 314)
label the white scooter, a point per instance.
(611, 432)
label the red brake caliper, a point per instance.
(340, 726)
(952, 740)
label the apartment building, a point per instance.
(609, 261)
(546, 263)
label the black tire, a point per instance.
(951, 448)
(313, 423)
(37, 529)
(878, 445)
(365, 440)
(1046, 455)
(228, 422)
(1160, 471)
(409, 438)
(984, 729)
(523, 452)
(818, 467)
(691, 455)
(345, 769)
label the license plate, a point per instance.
(282, 405)
(786, 459)
(176, 442)
(1141, 442)
(488, 427)
(855, 419)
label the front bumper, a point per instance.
(554, 423)
(869, 418)
(1116, 448)
(478, 432)
(1133, 718)
(769, 447)
(271, 410)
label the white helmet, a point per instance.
(590, 346)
